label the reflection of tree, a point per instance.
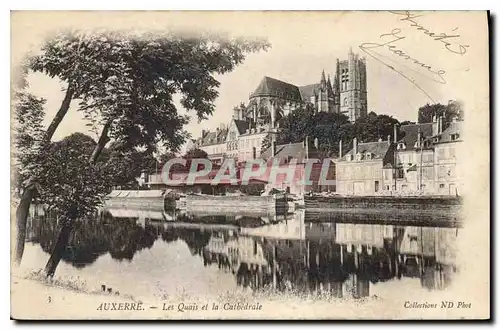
(169, 235)
(86, 244)
(195, 239)
(126, 238)
(122, 238)
(43, 232)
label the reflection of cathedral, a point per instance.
(274, 99)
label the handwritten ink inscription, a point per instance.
(389, 39)
(444, 38)
(409, 65)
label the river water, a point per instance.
(161, 255)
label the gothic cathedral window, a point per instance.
(345, 79)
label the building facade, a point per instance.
(447, 172)
(362, 171)
(422, 162)
(273, 99)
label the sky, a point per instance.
(305, 43)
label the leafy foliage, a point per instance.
(454, 109)
(29, 134)
(330, 128)
(67, 182)
(195, 153)
(128, 83)
(124, 166)
(131, 80)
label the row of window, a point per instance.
(359, 172)
(360, 156)
(250, 143)
(445, 153)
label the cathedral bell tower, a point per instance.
(350, 86)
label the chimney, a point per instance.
(340, 149)
(354, 146)
(441, 124)
(435, 128)
(395, 134)
(316, 143)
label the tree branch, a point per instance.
(103, 139)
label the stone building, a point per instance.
(414, 159)
(426, 158)
(422, 162)
(294, 157)
(274, 99)
(448, 178)
(362, 170)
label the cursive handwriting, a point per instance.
(445, 39)
(389, 39)
(387, 42)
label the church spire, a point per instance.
(329, 84)
(323, 79)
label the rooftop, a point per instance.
(411, 134)
(293, 150)
(452, 133)
(378, 150)
(274, 87)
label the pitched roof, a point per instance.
(241, 125)
(309, 90)
(274, 87)
(377, 149)
(294, 150)
(215, 137)
(411, 134)
(454, 128)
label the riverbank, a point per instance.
(432, 203)
(32, 302)
(33, 298)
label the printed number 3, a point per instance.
(50, 299)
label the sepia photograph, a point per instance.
(259, 165)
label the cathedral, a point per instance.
(274, 99)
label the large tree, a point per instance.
(454, 109)
(126, 86)
(374, 127)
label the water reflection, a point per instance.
(304, 252)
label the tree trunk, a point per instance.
(22, 210)
(60, 246)
(22, 214)
(103, 139)
(68, 221)
(63, 110)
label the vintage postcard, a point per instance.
(250, 165)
